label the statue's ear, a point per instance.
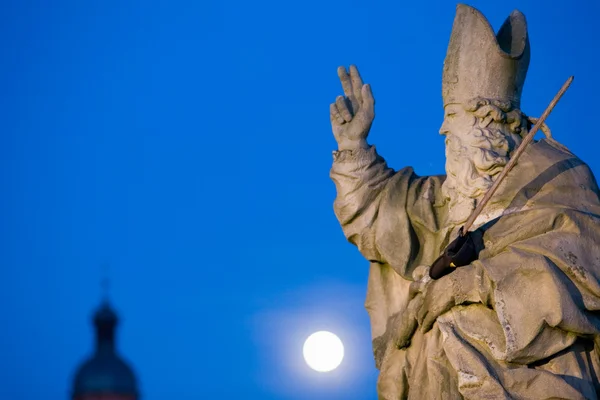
(484, 122)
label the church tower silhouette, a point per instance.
(105, 375)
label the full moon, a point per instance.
(323, 351)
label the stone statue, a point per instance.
(520, 322)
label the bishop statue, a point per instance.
(519, 322)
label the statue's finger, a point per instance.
(433, 312)
(427, 322)
(424, 326)
(357, 82)
(335, 114)
(405, 332)
(342, 107)
(421, 315)
(346, 82)
(368, 101)
(414, 289)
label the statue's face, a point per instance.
(475, 153)
(456, 120)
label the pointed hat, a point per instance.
(480, 63)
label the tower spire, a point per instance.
(105, 374)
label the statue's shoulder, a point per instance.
(556, 147)
(554, 161)
(548, 151)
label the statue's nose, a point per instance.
(444, 128)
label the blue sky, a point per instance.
(187, 145)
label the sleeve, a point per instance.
(360, 177)
(386, 214)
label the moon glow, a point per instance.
(323, 351)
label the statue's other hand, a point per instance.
(406, 323)
(437, 299)
(441, 295)
(352, 114)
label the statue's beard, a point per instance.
(473, 161)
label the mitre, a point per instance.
(480, 63)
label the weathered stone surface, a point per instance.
(521, 321)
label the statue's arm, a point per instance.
(360, 177)
(359, 173)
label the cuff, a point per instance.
(362, 157)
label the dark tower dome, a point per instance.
(105, 376)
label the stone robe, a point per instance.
(528, 322)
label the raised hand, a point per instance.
(352, 114)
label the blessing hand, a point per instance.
(352, 114)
